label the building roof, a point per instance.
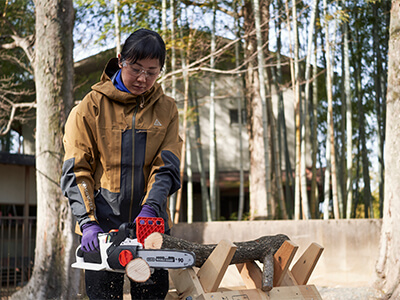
(17, 159)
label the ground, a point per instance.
(349, 293)
(337, 293)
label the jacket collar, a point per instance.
(106, 87)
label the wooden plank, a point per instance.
(246, 294)
(288, 279)
(299, 292)
(305, 265)
(213, 270)
(251, 274)
(186, 283)
(172, 295)
(282, 259)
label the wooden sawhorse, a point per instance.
(285, 283)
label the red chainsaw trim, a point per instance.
(125, 256)
(145, 226)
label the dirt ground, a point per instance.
(349, 293)
(337, 293)
(327, 293)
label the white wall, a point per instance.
(351, 247)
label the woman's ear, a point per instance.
(119, 60)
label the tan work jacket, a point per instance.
(121, 151)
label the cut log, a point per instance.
(138, 270)
(246, 251)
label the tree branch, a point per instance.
(14, 106)
(25, 43)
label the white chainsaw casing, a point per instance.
(103, 245)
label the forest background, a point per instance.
(340, 105)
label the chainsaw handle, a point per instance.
(79, 251)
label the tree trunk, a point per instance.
(368, 210)
(172, 200)
(378, 105)
(297, 104)
(52, 277)
(213, 134)
(314, 133)
(388, 265)
(294, 70)
(185, 63)
(331, 135)
(349, 122)
(282, 119)
(258, 203)
(275, 157)
(117, 28)
(263, 96)
(205, 200)
(189, 174)
(164, 34)
(240, 119)
(327, 175)
(277, 165)
(305, 117)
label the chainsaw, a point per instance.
(119, 247)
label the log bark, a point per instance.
(258, 249)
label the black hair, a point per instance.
(142, 44)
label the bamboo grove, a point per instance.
(331, 55)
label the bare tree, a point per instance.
(240, 119)
(164, 32)
(263, 94)
(53, 69)
(368, 210)
(16, 92)
(294, 74)
(388, 264)
(185, 62)
(213, 133)
(314, 144)
(172, 202)
(331, 135)
(304, 114)
(281, 128)
(379, 90)
(349, 123)
(117, 27)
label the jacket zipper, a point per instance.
(133, 161)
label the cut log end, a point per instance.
(153, 241)
(138, 270)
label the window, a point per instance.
(234, 117)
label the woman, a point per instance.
(122, 152)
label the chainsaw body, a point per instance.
(118, 248)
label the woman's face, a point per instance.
(140, 76)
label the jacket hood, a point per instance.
(107, 88)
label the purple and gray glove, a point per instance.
(147, 212)
(90, 242)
